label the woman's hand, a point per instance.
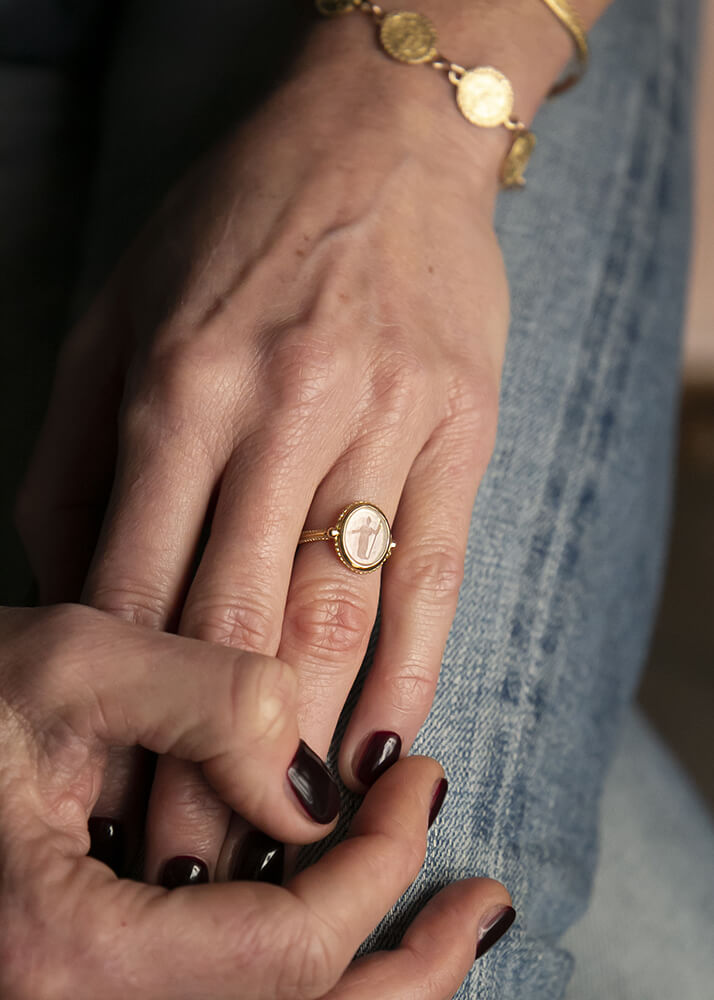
(316, 316)
(74, 682)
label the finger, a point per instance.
(237, 598)
(437, 949)
(141, 566)
(186, 823)
(351, 888)
(248, 855)
(229, 862)
(59, 514)
(61, 502)
(260, 939)
(330, 609)
(419, 593)
(117, 822)
(234, 713)
(166, 474)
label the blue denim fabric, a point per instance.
(569, 528)
(568, 531)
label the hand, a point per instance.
(74, 682)
(317, 315)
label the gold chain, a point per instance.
(483, 94)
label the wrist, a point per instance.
(521, 38)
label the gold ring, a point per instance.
(362, 537)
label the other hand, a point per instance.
(74, 682)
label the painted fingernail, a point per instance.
(493, 927)
(107, 842)
(260, 859)
(314, 786)
(381, 750)
(437, 799)
(184, 870)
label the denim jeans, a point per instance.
(568, 531)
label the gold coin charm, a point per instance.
(485, 96)
(517, 159)
(408, 37)
(333, 7)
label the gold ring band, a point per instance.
(362, 537)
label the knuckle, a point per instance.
(62, 631)
(179, 395)
(302, 963)
(248, 625)
(316, 969)
(401, 382)
(194, 808)
(434, 572)
(181, 360)
(401, 853)
(305, 368)
(133, 602)
(472, 409)
(311, 966)
(328, 620)
(411, 690)
(268, 705)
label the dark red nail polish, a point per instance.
(314, 786)
(493, 928)
(437, 799)
(381, 750)
(184, 870)
(260, 859)
(107, 843)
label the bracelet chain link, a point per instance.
(483, 94)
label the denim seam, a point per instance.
(656, 129)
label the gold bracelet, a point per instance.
(571, 21)
(483, 94)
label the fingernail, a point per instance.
(184, 870)
(314, 786)
(437, 799)
(260, 859)
(493, 927)
(380, 752)
(107, 842)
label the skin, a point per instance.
(317, 314)
(76, 681)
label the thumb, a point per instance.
(230, 711)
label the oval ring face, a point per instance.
(363, 538)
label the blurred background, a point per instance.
(677, 690)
